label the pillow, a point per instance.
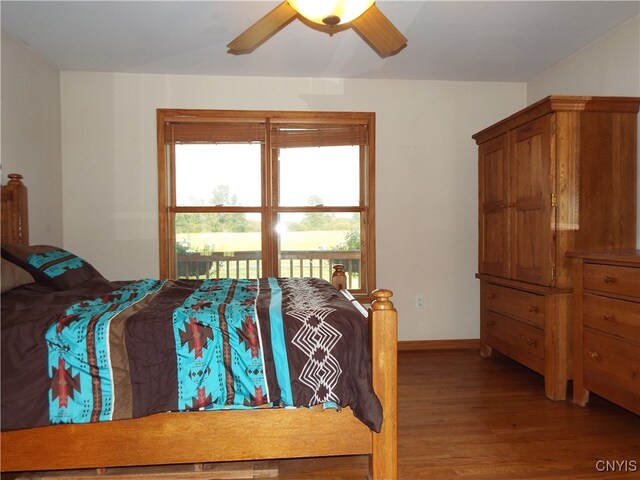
(13, 276)
(50, 265)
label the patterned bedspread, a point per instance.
(125, 350)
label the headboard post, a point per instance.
(15, 211)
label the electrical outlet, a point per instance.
(419, 302)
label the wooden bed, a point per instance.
(167, 438)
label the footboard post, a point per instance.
(383, 325)
(339, 277)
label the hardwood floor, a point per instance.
(464, 417)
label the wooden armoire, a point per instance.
(557, 176)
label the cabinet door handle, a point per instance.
(533, 309)
(593, 355)
(609, 279)
(609, 317)
(529, 340)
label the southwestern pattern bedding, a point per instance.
(113, 350)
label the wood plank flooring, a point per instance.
(489, 419)
(464, 417)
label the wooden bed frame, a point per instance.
(203, 437)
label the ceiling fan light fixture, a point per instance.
(331, 12)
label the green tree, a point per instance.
(221, 196)
(314, 221)
(214, 222)
(351, 241)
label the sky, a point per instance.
(305, 172)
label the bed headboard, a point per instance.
(15, 212)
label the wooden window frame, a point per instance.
(268, 209)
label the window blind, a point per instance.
(211, 132)
(291, 136)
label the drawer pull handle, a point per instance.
(491, 296)
(609, 317)
(533, 309)
(593, 355)
(490, 323)
(529, 340)
(609, 279)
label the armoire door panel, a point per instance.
(492, 260)
(529, 246)
(532, 171)
(494, 214)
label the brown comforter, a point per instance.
(112, 350)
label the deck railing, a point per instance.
(308, 263)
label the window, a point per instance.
(245, 194)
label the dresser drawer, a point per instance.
(518, 340)
(511, 302)
(612, 368)
(617, 317)
(612, 279)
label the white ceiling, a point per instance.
(448, 40)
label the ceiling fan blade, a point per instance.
(379, 32)
(263, 29)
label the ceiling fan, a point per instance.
(330, 17)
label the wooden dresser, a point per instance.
(557, 176)
(606, 328)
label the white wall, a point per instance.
(608, 66)
(426, 174)
(426, 171)
(31, 136)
